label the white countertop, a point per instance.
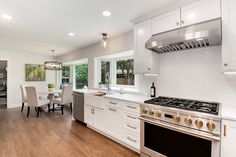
(229, 113)
(135, 98)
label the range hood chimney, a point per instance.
(203, 34)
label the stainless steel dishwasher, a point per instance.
(78, 106)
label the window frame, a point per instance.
(113, 74)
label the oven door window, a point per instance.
(173, 143)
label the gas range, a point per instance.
(193, 115)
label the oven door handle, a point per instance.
(191, 132)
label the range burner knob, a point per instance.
(144, 111)
(151, 112)
(199, 124)
(188, 121)
(158, 114)
(176, 118)
(211, 126)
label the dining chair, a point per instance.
(33, 99)
(23, 96)
(65, 99)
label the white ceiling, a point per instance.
(40, 25)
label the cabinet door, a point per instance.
(142, 56)
(199, 11)
(114, 122)
(166, 22)
(228, 139)
(100, 119)
(228, 35)
(89, 115)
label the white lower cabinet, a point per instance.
(115, 119)
(114, 122)
(95, 117)
(88, 115)
(228, 138)
(100, 119)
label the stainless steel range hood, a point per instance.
(194, 36)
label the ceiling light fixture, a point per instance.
(52, 65)
(106, 13)
(71, 34)
(6, 17)
(104, 39)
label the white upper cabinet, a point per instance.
(145, 61)
(199, 11)
(228, 35)
(165, 22)
(228, 138)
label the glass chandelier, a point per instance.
(52, 65)
(104, 39)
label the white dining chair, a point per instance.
(33, 99)
(65, 99)
(23, 97)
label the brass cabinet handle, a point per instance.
(131, 107)
(133, 140)
(225, 130)
(129, 116)
(225, 64)
(132, 127)
(112, 109)
(112, 103)
(182, 21)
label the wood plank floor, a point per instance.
(52, 135)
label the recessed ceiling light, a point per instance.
(106, 13)
(7, 17)
(71, 34)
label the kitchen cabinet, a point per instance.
(199, 11)
(228, 35)
(202, 10)
(228, 139)
(166, 22)
(145, 61)
(114, 122)
(89, 115)
(95, 117)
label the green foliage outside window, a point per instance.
(81, 72)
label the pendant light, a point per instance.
(52, 65)
(104, 40)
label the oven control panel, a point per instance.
(197, 122)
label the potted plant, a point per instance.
(51, 87)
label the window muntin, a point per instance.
(65, 79)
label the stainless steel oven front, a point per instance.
(161, 139)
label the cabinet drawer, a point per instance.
(113, 103)
(132, 107)
(131, 117)
(132, 127)
(131, 139)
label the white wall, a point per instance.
(16, 74)
(117, 44)
(196, 74)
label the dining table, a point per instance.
(50, 95)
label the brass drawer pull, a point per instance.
(225, 130)
(129, 116)
(133, 140)
(112, 109)
(132, 127)
(133, 107)
(112, 103)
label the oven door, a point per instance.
(160, 139)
